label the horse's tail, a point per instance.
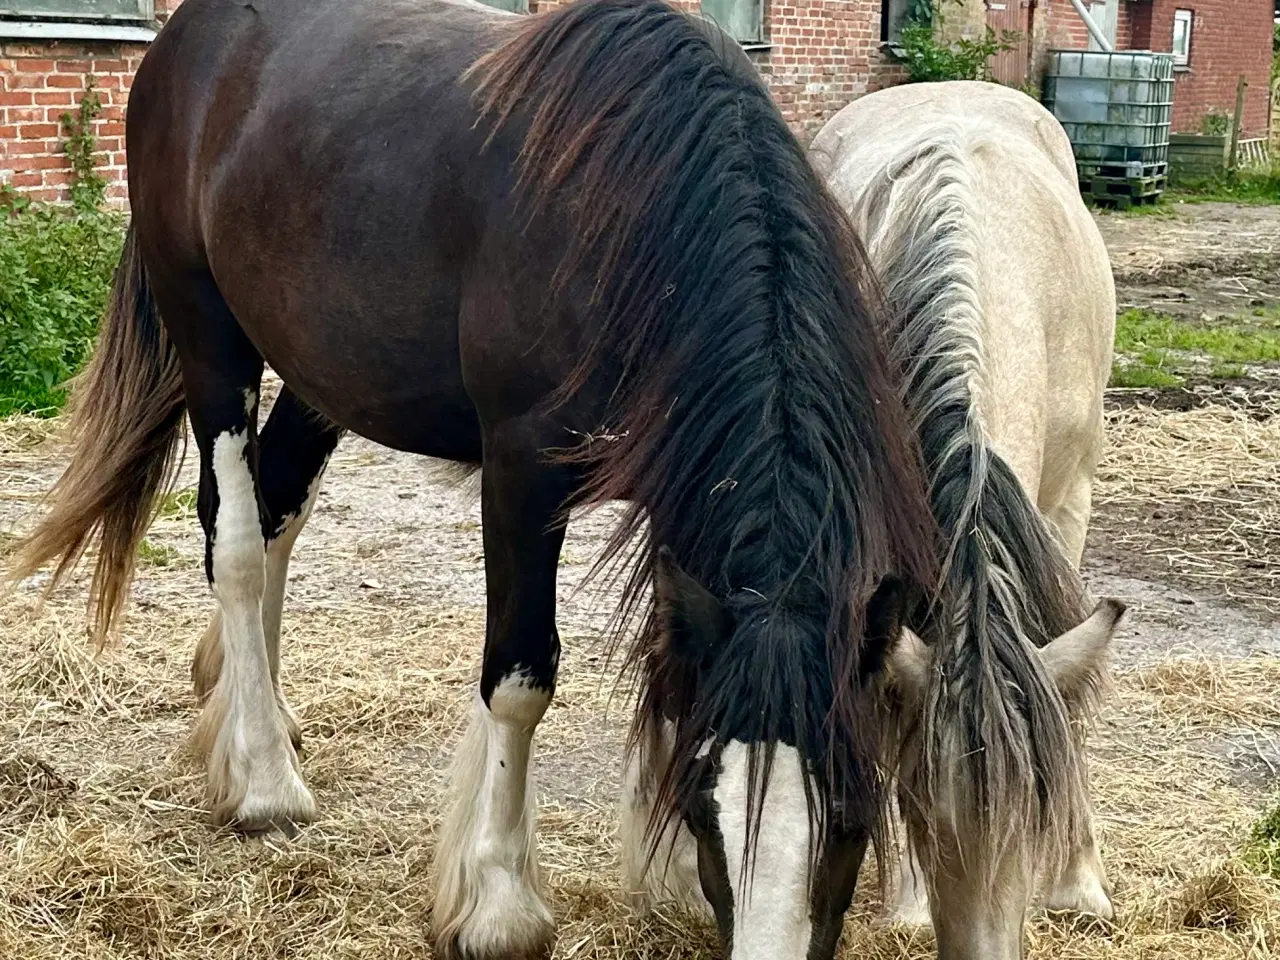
(125, 424)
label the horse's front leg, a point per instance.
(487, 899)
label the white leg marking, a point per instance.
(673, 876)
(1082, 888)
(909, 898)
(487, 900)
(253, 770)
(207, 664)
(771, 908)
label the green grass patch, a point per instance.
(1255, 186)
(154, 554)
(1139, 375)
(1162, 209)
(178, 503)
(56, 266)
(1266, 316)
(1227, 371)
(1140, 331)
(1262, 854)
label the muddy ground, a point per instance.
(383, 628)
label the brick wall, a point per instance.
(820, 55)
(1229, 38)
(39, 83)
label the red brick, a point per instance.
(18, 148)
(35, 131)
(64, 98)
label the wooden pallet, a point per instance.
(1121, 171)
(1123, 192)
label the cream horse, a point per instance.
(965, 194)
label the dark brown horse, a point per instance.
(583, 251)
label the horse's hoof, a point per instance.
(496, 924)
(283, 810)
(1086, 897)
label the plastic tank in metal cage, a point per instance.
(1116, 108)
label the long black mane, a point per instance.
(757, 423)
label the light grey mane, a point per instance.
(1007, 585)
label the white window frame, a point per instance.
(750, 36)
(82, 11)
(1188, 17)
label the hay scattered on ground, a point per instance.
(1195, 495)
(105, 851)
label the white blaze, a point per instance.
(771, 912)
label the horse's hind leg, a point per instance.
(487, 901)
(254, 781)
(295, 446)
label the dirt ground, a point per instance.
(1196, 261)
(104, 847)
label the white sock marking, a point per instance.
(252, 758)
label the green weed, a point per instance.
(154, 554)
(178, 503)
(1262, 854)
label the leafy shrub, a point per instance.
(929, 59)
(1215, 124)
(56, 266)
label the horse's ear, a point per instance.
(1075, 659)
(693, 623)
(886, 611)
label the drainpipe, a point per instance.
(1094, 32)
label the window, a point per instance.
(1104, 14)
(1183, 22)
(111, 10)
(741, 19)
(514, 6)
(893, 17)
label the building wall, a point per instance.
(820, 55)
(1229, 38)
(42, 81)
(39, 83)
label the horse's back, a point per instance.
(1048, 299)
(319, 158)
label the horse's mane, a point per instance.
(756, 420)
(1007, 585)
